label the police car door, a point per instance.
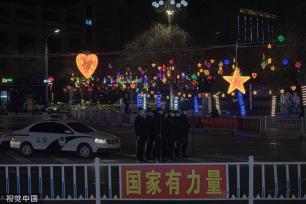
(39, 134)
(57, 134)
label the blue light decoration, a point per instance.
(158, 100)
(160, 75)
(196, 104)
(144, 101)
(175, 105)
(139, 100)
(226, 62)
(285, 62)
(88, 22)
(241, 104)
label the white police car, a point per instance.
(63, 136)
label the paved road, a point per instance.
(214, 146)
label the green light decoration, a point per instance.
(281, 38)
(194, 77)
(7, 80)
(264, 64)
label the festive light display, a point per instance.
(87, 64)
(144, 101)
(139, 101)
(285, 62)
(158, 100)
(254, 75)
(297, 65)
(7, 80)
(175, 104)
(217, 101)
(304, 95)
(273, 108)
(241, 104)
(281, 38)
(236, 81)
(196, 104)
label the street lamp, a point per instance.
(169, 7)
(55, 31)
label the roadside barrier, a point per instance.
(227, 181)
(295, 127)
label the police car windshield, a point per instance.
(80, 127)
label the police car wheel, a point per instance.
(26, 149)
(84, 151)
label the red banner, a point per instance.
(173, 181)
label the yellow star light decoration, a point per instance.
(199, 65)
(236, 81)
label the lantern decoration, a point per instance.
(255, 93)
(51, 80)
(87, 64)
(236, 81)
(298, 65)
(293, 87)
(254, 75)
(270, 92)
(171, 61)
(65, 90)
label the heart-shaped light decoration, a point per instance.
(87, 64)
(254, 75)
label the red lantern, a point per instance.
(74, 89)
(254, 75)
(65, 90)
(298, 65)
(171, 61)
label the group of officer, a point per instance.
(161, 135)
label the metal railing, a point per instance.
(292, 127)
(249, 181)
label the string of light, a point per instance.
(153, 51)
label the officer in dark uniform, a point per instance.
(185, 132)
(179, 134)
(171, 135)
(140, 131)
(150, 143)
(158, 132)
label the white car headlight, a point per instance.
(100, 141)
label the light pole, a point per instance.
(169, 7)
(55, 31)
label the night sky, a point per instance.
(203, 19)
